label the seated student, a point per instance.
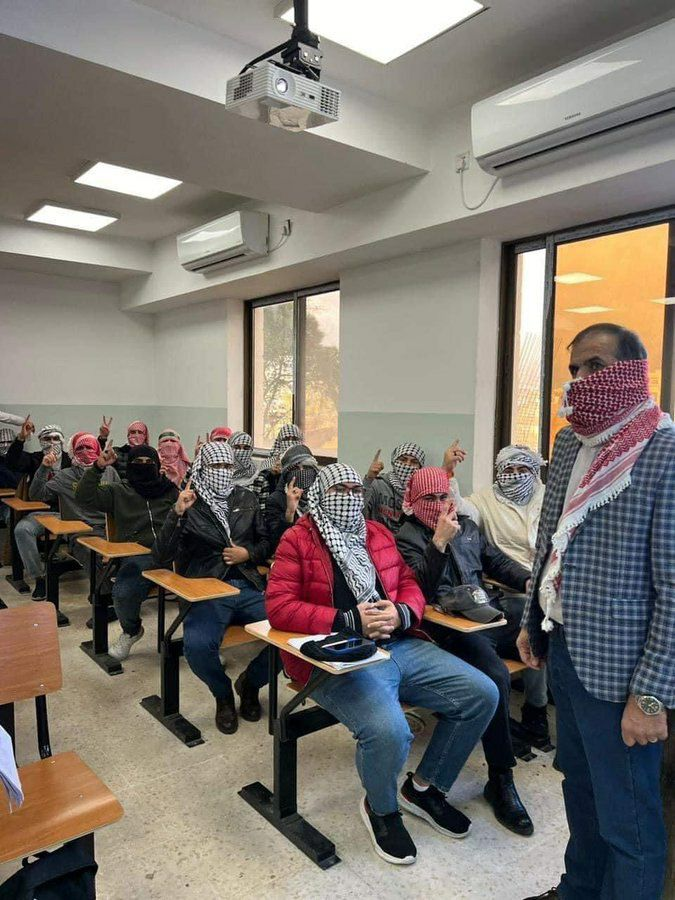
(384, 493)
(8, 478)
(137, 434)
(174, 461)
(139, 504)
(508, 511)
(49, 486)
(332, 570)
(446, 551)
(289, 501)
(266, 480)
(220, 433)
(28, 529)
(245, 470)
(216, 530)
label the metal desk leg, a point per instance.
(161, 617)
(165, 708)
(97, 648)
(52, 579)
(280, 807)
(16, 578)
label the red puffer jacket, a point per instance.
(299, 593)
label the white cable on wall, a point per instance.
(485, 198)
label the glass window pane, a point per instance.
(526, 399)
(273, 368)
(618, 278)
(320, 377)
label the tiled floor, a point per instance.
(187, 834)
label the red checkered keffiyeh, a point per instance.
(430, 480)
(595, 408)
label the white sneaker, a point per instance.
(122, 647)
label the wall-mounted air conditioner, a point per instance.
(593, 98)
(231, 239)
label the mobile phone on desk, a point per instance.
(347, 644)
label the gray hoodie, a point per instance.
(62, 486)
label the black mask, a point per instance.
(142, 473)
(144, 478)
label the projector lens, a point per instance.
(281, 85)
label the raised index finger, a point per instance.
(376, 458)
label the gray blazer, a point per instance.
(618, 577)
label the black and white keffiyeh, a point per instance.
(402, 472)
(340, 520)
(49, 446)
(244, 468)
(517, 488)
(286, 437)
(214, 486)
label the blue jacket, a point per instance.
(618, 577)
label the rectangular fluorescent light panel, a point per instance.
(383, 30)
(587, 310)
(576, 278)
(665, 301)
(127, 181)
(65, 217)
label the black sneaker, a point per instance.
(250, 704)
(432, 806)
(389, 836)
(40, 592)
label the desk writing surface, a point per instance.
(57, 526)
(191, 589)
(113, 549)
(24, 505)
(458, 623)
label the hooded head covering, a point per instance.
(429, 480)
(85, 450)
(517, 487)
(299, 464)
(145, 478)
(172, 456)
(242, 449)
(221, 433)
(286, 437)
(214, 485)
(44, 437)
(7, 437)
(136, 440)
(401, 472)
(339, 518)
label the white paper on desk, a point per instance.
(298, 642)
(9, 777)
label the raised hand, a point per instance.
(293, 496)
(447, 529)
(104, 427)
(186, 499)
(375, 467)
(26, 429)
(453, 455)
(106, 457)
(199, 444)
(49, 459)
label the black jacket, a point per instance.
(18, 460)
(465, 559)
(275, 518)
(196, 540)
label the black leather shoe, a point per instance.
(549, 895)
(226, 715)
(250, 705)
(500, 792)
(40, 592)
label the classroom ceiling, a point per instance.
(509, 42)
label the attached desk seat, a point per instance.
(18, 508)
(58, 530)
(166, 707)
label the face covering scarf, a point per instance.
(222, 433)
(612, 407)
(172, 456)
(429, 480)
(517, 488)
(214, 486)
(85, 450)
(145, 478)
(135, 440)
(244, 468)
(7, 437)
(339, 518)
(401, 472)
(288, 436)
(51, 439)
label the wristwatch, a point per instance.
(650, 706)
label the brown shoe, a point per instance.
(226, 715)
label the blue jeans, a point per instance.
(205, 627)
(617, 845)
(419, 673)
(130, 590)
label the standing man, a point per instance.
(601, 610)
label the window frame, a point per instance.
(507, 316)
(299, 300)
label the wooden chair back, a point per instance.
(30, 662)
(110, 528)
(22, 488)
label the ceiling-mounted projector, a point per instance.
(286, 92)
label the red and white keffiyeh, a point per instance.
(172, 455)
(612, 408)
(429, 480)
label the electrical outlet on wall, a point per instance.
(462, 161)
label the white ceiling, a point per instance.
(511, 41)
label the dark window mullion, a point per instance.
(547, 350)
(300, 320)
